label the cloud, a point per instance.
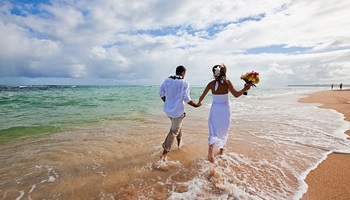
(133, 42)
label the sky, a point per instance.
(129, 42)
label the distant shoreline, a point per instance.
(320, 85)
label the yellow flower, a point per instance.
(244, 76)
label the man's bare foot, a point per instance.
(222, 150)
(163, 157)
(178, 142)
(211, 153)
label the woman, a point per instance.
(220, 115)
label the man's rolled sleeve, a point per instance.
(161, 91)
(186, 95)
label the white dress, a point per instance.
(219, 120)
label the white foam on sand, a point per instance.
(213, 182)
(301, 179)
(287, 140)
(166, 165)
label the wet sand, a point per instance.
(111, 160)
(330, 180)
(106, 161)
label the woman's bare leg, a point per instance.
(211, 153)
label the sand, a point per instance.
(330, 180)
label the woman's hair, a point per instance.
(221, 75)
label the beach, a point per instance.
(104, 143)
(330, 180)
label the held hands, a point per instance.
(197, 105)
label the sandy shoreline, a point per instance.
(122, 156)
(331, 178)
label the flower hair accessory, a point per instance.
(217, 71)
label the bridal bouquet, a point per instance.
(251, 78)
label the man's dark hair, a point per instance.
(180, 69)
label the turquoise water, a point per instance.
(33, 110)
(42, 109)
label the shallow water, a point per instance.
(273, 142)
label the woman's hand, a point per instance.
(247, 87)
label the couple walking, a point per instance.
(174, 91)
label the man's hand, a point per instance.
(163, 98)
(193, 104)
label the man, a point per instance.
(174, 92)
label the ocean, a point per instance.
(104, 142)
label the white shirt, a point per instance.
(176, 92)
